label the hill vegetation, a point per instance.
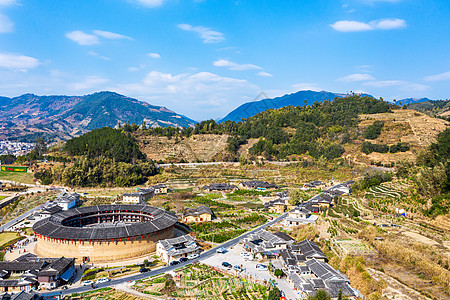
(102, 157)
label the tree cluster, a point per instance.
(373, 131)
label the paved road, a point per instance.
(20, 218)
(204, 255)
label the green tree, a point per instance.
(297, 196)
(320, 295)
(274, 294)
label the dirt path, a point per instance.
(127, 289)
(395, 289)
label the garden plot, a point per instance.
(355, 247)
(202, 282)
(383, 191)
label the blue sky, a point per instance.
(205, 58)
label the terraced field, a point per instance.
(383, 191)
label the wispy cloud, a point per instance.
(206, 34)
(154, 55)
(90, 83)
(151, 3)
(235, 66)
(110, 35)
(354, 26)
(7, 2)
(6, 25)
(264, 74)
(401, 84)
(18, 62)
(438, 77)
(82, 38)
(95, 54)
(357, 77)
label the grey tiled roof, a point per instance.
(53, 227)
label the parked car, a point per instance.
(221, 250)
(183, 259)
(87, 282)
(193, 256)
(102, 280)
(143, 270)
(261, 267)
(227, 265)
(174, 262)
(238, 268)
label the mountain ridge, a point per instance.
(59, 117)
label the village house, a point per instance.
(276, 206)
(198, 215)
(67, 201)
(316, 184)
(31, 271)
(299, 216)
(160, 189)
(307, 270)
(139, 197)
(265, 243)
(258, 185)
(174, 249)
(220, 187)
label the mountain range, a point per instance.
(300, 98)
(29, 116)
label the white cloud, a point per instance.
(354, 26)
(110, 35)
(193, 94)
(133, 69)
(95, 54)
(264, 74)
(6, 25)
(18, 62)
(82, 38)
(7, 2)
(357, 77)
(415, 87)
(305, 86)
(151, 3)
(385, 83)
(438, 77)
(206, 34)
(90, 83)
(235, 66)
(154, 55)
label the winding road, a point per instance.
(204, 255)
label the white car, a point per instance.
(87, 282)
(261, 267)
(221, 250)
(102, 280)
(193, 256)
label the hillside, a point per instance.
(62, 117)
(434, 108)
(250, 109)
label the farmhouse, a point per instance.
(138, 197)
(176, 248)
(276, 206)
(220, 187)
(47, 273)
(299, 216)
(307, 270)
(198, 215)
(67, 201)
(314, 184)
(258, 185)
(160, 188)
(265, 242)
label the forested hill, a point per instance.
(433, 108)
(61, 117)
(300, 98)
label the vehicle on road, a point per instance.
(221, 250)
(261, 267)
(226, 265)
(102, 280)
(183, 259)
(238, 268)
(193, 256)
(143, 270)
(87, 282)
(174, 262)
